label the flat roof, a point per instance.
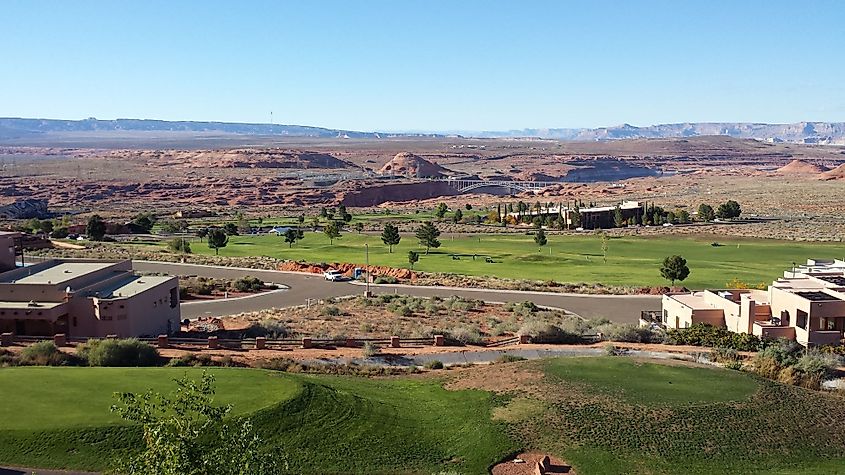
(694, 301)
(131, 286)
(25, 305)
(62, 272)
(818, 296)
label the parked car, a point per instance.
(333, 275)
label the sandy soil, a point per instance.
(528, 461)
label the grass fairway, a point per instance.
(654, 384)
(323, 424)
(633, 261)
(614, 415)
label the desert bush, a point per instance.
(403, 311)
(509, 358)
(192, 359)
(524, 309)
(630, 333)
(44, 353)
(724, 355)
(734, 365)
(434, 364)
(330, 311)
(814, 362)
(609, 349)
(543, 332)
(386, 279)
(702, 334)
(248, 284)
(123, 352)
(465, 334)
(268, 327)
(432, 308)
(369, 350)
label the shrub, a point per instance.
(542, 332)
(192, 359)
(816, 363)
(524, 309)
(369, 350)
(248, 284)
(403, 311)
(724, 355)
(630, 333)
(125, 352)
(434, 364)
(734, 365)
(267, 327)
(44, 353)
(330, 311)
(609, 349)
(509, 358)
(702, 334)
(386, 279)
(465, 334)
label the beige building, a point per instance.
(807, 305)
(91, 298)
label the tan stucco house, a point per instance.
(807, 305)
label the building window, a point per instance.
(801, 319)
(74, 321)
(831, 324)
(105, 318)
(174, 297)
(665, 316)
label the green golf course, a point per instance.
(604, 415)
(631, 261)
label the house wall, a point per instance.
(675, 314)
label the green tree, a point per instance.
(145, 221)
(705, 212)
(291, 236)
(674, 268)
(427, 235)
(540, 238)
(201, 233)
(441, 210)
(390, 236)
(96, 228)
(468, 206)
(728, 210)
(231, 229)
(179, 245)
(47, 226)
(605, 244)
(413, 258)
(359, 227)
(217, 239)
(332, 231)
(618, 219)
(682, 216)
(185, 433)
(457, 216)
(301, 219)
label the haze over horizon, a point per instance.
(426, 66)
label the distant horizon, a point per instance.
(420, 131)
(427, 65)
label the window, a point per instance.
(665, 316)
(74, 321)
(801, 319)
(831, 324)
(784, 317)
(174, 297)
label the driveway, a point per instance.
(618, 308)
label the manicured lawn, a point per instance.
(654, 384)
(633, 261)
(322, 424)
(36, 398)
(613, 415)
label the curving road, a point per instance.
(618, 308)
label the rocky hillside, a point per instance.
(413, 166)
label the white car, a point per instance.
(333, 275)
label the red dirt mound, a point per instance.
(837, 173)
(411, 165)
(800, 167)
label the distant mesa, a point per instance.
(264, 158)
(410, 165)
(800, 167)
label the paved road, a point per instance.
(619, 308)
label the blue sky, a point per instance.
(425, 65)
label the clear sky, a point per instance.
(427, 64)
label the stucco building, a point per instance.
(91, 298)
(807, 305)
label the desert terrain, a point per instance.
(266, 176)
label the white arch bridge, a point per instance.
(465, 185)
